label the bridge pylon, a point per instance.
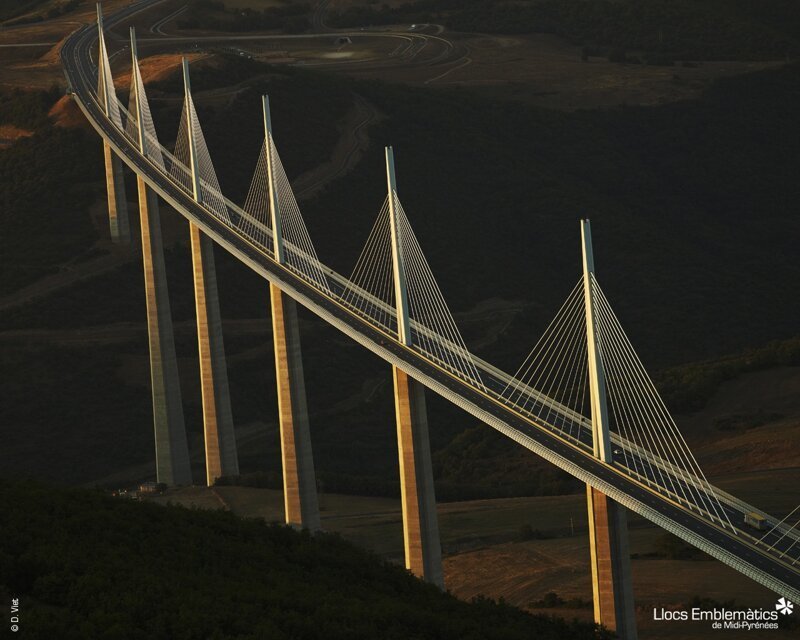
(423, 551)
(301, 503)
(172, 451)
(119, 225)
(608, 529)
(220, 438)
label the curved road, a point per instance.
(441, 54)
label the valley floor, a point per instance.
(484, 553)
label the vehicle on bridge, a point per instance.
(757, 521)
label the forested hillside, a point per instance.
(85, 565)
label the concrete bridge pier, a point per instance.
(118, 222)
(172, 452)
(611, 565)
(299, 480)
(301, 503)
(220, 438)
(423, 550)
(420, 523)
(608, 530)
(115, 183)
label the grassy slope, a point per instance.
(88, 566)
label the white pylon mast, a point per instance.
(400, 292)
(137, 97)
(275, 214)
(101, 61)
(597, 379)
(198, 194)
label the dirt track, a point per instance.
(353, 142)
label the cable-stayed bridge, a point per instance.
(581, 399)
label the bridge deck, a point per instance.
(547, 437)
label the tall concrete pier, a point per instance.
(608, 529)
(423, 550)
(220, 438)
(611, 566)
(299, 480)
(118, 222)
(172, 452)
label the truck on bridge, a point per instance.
(757, 521)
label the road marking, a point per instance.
(442, 75)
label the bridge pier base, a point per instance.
(220, 439)
(299, 480)
(172, 451)
(423, 550)
(117, 204)
(611, 565)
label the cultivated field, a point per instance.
(484, 555)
